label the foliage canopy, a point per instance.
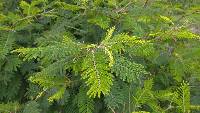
(99, 56)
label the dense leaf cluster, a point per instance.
(99, 56)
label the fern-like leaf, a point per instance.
(117, 96)
(96, 73)
(49, 82)
(6, 43)
(85, 104)
(127, 70)
(183, 97)
(55, 51)
(142, 48)
(32, 107)
(146, 96)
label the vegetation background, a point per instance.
(99, 56)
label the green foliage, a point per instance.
(127, 70)
(85, 104)
(98, 56)
(141, 112)
(9, 107)
(100, 20)
(50, 53)
(30, 9)
(32, 107)
(66, 6)
(95, 67)
(183, 98)
(6, 43)
(117, 96)
(146, 96)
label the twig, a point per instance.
(145, 4)
(32, 16)
(112, 109)
(129, 99)
(183, 16)
(76, 29)
(123, 8)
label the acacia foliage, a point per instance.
(99, 56)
